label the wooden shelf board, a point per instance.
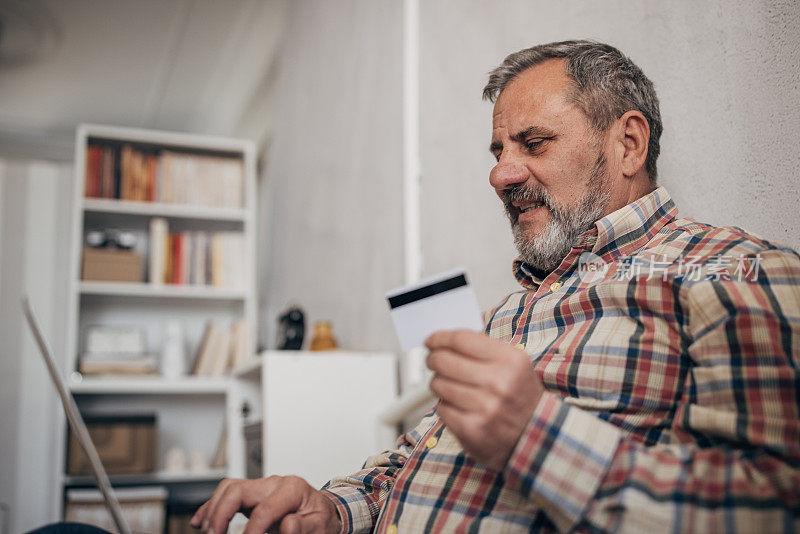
(160, 477)
(141, 289)
(130, 207)
(149, 385)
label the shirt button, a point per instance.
(520, 346)
(555, 286)
(431, 443)
(391, 530)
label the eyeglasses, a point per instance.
(110, 238)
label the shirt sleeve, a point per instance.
(359, 497)
(735, 465)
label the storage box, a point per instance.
(126, 444)
(111, 265)
(143, 508)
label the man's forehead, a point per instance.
(533, 90)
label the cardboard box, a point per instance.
(111, 265)
(126, 445)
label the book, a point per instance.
(240, 332)
(142, 365)
(177, 259)
(94, 160)
(222, 353)
(130, 172)
(159, 233)
(220, 459)
(112, 361)
(213, 352)
(106, 168)
(186, 257)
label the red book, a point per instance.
(94, 156)
(106, 168)
(152, 164)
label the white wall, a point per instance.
(34, 251)
(726, 74)
(335, 169)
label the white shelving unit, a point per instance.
(192, 411)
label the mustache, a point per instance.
(522, 193)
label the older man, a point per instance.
(645, 378)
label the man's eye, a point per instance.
(533, 144)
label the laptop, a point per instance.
(76, 422)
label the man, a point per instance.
(644, 379)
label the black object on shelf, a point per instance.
(291, 329)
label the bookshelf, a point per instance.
(172, 177)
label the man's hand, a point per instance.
(288, 505)
(488, 392)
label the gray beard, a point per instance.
(545, 252)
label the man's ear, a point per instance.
(634, 135)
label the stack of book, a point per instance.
(112, 350)
(125, 172)
(221, 348)
(196, 258)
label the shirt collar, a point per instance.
(618, 234)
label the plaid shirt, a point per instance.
(672, 395)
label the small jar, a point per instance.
(322, 338)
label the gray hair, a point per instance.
(607, 85)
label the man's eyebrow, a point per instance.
(523, 135)
(537, 131)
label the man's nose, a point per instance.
(507, 174)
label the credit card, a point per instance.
(442, 302)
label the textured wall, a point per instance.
(726, 73)
(335, 170)
(34, 252)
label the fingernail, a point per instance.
(211, 531)
(205, 525)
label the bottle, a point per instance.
(322, 338)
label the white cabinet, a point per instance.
(319, 410)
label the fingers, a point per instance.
(467, 342)
(458, 421)
(230, 502)
(199, 515)
(231, 496)
(285, 504)
(202, 518)
(453, 366)
(278, 504)
(455, 393)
